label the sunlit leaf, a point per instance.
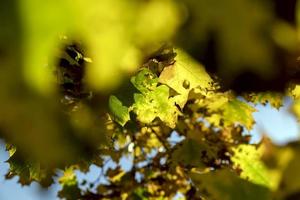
(145, 81)
(247, 159)
(119, 112)
(236, 111)
(184, 75)
(29, 171)
(154, 104)
(70, 189)
(275, 99)
(115, 175)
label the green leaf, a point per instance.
(225, 110)
(247, 158)
(28, 171)
(236, 111)
(154, 104)
(139, 194)
(275, 99)
(184, 75)
(189, 154)
(119, 112)
(225, 185)
(43, 23)
(114, 34)
(145, 81)
(118, 34)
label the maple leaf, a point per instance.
(154, 104)
(184, 75)
(275, 99)
(236, 111)
(247, 158)
(28, 171)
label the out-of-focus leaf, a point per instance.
(119, 112)
(184, 75)
(224, 110)
(285, 35)
(29, 171)
(115, 175)
(189, 153)
(247, 158)
(120, 33)
(70, 189)
(289, 187)
(139, 194)
(275, 99)
(250, 50)
(236, 111)
(225, 185)
(296, 108)
(43, 23)
(117, 35)
(295, 92)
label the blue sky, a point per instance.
(280, 125)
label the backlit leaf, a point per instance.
(184, 75)
(154, 104)
(119, 112)
(275, 99)
(70, 189)
(247, 159)
(236, 111)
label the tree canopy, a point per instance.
(90, 82)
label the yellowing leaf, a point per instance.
(223, 110)
(247, 159)
(236, 111)
(275, 99)
(184, 75)
(69, 177)
(69, 184)
(28, 171)
(115, 175)
(296, 109)
(295, 92)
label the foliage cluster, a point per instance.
(169, 85)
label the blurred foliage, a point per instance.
(95, 82)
